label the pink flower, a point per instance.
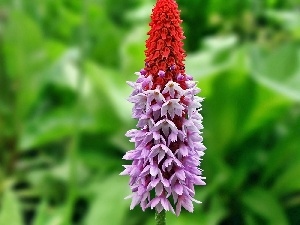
(168, 141)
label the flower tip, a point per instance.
(123, 173)
(128, 197)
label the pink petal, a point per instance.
(165, 128)
(153, 170)
(132, 154)
(125, 172)
(175, 197)
(187, 204)
(165, 182)
(154, 152)
(135, 200)
(178, 188)
(154, 202)
(145, 170)
(154, 182)
(161, 155)
(171, 208)
(156, 107)
(129, 196)
(178, 208)
(159, 189)
(184, 150)
(165, 203)
(180, 174)
(164, 109)
(198, 180)
(156, 135)
(171, 112)
(194, 200)
(167, 163)
(178, 163)
(173, 137)
(159, 208)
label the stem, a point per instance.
(160, 218)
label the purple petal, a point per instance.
(156, 135)
(156, 107)
(161, 155)
(131, 154)
(161, 73)
(145, 170)
(198, 180)
(180, 174)
(159, 189)
(135, 200)
(154, 170)
(127, 170)
(165, 182)
(180, 77)
(187, 204)
(165, 203)
(143, 72)
(154, 183)
(159, 208)
(154, 202)
(184, 150)
(178, 188)
(178, 208)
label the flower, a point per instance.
(168, 141)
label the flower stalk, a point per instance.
(160, 218)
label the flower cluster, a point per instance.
(168, 142)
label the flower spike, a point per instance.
(168, 141)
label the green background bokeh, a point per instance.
(63, 110)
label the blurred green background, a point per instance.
(63, 109)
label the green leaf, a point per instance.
(184, 218)
(103, 35)
(218, 55)
(217, 211)
(25, 58)
(285, 154)
(54, 126)
(265, 205)
(42, 215)
(289, 19)
(46, 129)
(249, 219)
(10, 210)
(288, 181)
(140, 14)
(49, 216)
(108, 206)
(230, 92)
(278, 68)
(64, 71)
(96, 156)
(268, 106)
(24, 53)
(132, 51)
(111, 94)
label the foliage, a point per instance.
(63, 109)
